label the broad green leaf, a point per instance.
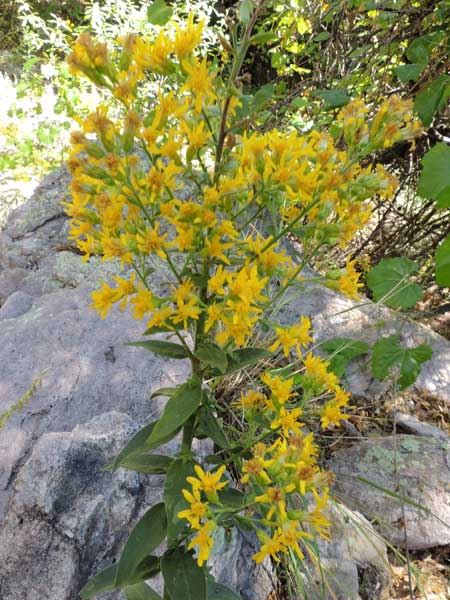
(105, 580)
(158, 13)
(419, 51)
(389, 282)
(162, 348)
(177, 411)
(262, 37)
(153, 464)
(333, 98)
(232, 497)
(410, 72)
(322, 36)
(245, 10)
(432, 99)
(263, 96)
(212, 355)
(242, 357)
(147, 535)
(173, 498)
(211, 426)
(342, 351)
(387, 354)
(443, 263)
(217, 591)
(140, 591)
(183, 578)
(434, 181)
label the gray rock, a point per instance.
(89, 371)
(232, 565)
(413, 467)
(411, 424)
(67, 516)
(16, 305)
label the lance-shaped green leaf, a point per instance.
(174, 500)
(170, 391)
(443, 263)
(147, 535)
(140, 591)
(168, 349)
(343, 350)
(333, 98)
(213, 355)
(183, 578)
(153, 464)
(432, 99)
(105, 580)
(434, 181)
(177, 411)
(139, 444)
(159, 13)
(217, 591)
(388, 354)
(390, 281)
(211, 426)
(243, 357)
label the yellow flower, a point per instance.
(185, 311)
(281, 389)
(288, 421)
(197, 509)
(272, 547)
(103, 299)
(208, 481)
(348, 282)
(331, 414)
(186, 40)
(142, 303)
(295, 336)
(203, 542)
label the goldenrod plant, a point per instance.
(171, 184)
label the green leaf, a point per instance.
(217, 591)
(183, 578)
(419, 51)
(137, 443)
(243, 357)
(140, 591)
(211, 426)
(262, 37)
(147, 535)
(390, 278)
(387, 354)
(102, 582)
(434, 181)
(162, 348)
(158, 13)
(263, 96)
(164, 328)
(245, 10)
(173, 498)
(163, 392)
(432, 99)
(343, 350)
(177, 411)
(322, 36)
(333, 98)
(410, 72)
(212, 355)
(153, 464)
(232, 497)
(105, 580)
(443, 263)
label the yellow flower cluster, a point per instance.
(200, 515)
(281, 474)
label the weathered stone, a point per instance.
(232, 565)
(415, 468)
(16, 305)
(67, 515)
(88, 371)
(411, 424)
